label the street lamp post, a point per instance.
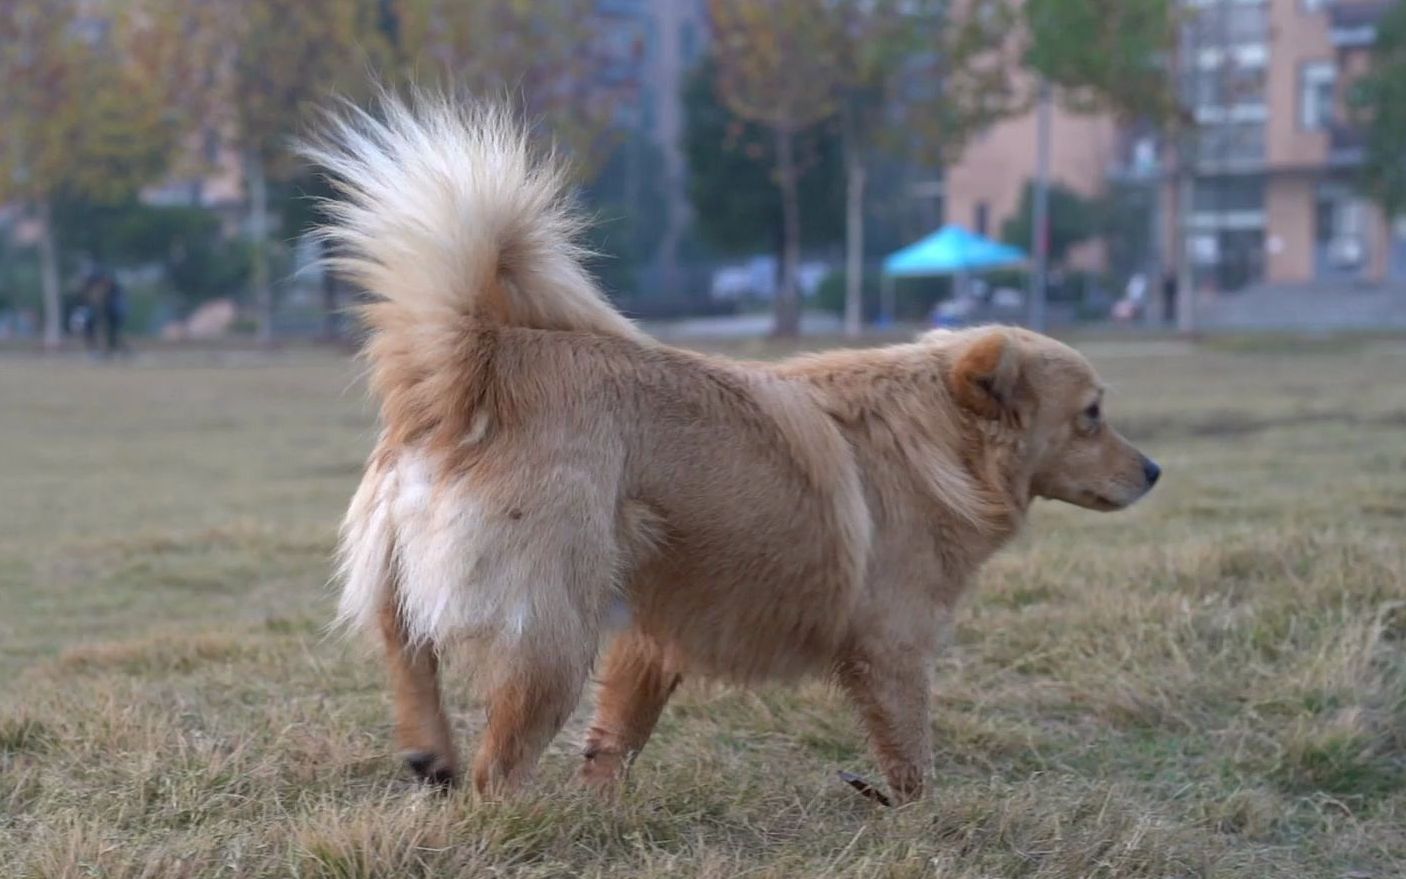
(1040, 212)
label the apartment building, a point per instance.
(1273, 198)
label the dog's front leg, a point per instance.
(891, 689)
(421, 727)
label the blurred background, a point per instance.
(1207, 197)
(775, 167)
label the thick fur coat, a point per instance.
(545, 467)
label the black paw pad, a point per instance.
(429, 769)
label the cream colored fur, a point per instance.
(442, 201)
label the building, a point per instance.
(983, 189)
(1317, 227)
(1273, 199)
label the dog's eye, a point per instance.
(1093, 412)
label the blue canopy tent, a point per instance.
(951, 250)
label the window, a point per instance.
(1337, 213)
(1228, 193)
(1232, 142)
(1245, 24)
(1228, 86)
(1241, 261)
(1317, 80)
(1226, 24)
(1340, 227)
(983, 217)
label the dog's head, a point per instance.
(1049, 395)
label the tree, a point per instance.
(778, 63)
(630, 213)
(1378, 104)
(196, 259)
(1073, 220)
(76, 121)
(917, 79)
(301, 203)
(1108, 56)
(544, 54)
(285, 56)
(256, 66)
(735, 197)
(868, 33)
(1121, 57)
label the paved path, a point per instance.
(1317, 308)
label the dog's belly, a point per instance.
(740, 630)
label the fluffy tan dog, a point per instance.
(543, 464)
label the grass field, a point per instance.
(1213, 684)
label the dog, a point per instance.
(543, 465)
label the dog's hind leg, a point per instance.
(636, 682)
(890, 688)
(526, 709)
(552, 563)
(421, 727)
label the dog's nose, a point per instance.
(1150, 471)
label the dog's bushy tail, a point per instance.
(448, 214)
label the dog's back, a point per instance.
(517, 406)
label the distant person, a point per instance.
(1169, 298)
(115, 315)
(87, 312)
(106, 301)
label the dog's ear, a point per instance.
(984, 376)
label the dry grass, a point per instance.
(1211, 685)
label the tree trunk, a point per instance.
(854, 240)
(49, 277)
(1186, 273)
(788, 295)
(257, 183)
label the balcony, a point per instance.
(1353, 23)
(622, 7)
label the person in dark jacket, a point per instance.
(114, 314)
(105, 306)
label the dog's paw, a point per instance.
(865, 787)
(601, 770)
(431, 768)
